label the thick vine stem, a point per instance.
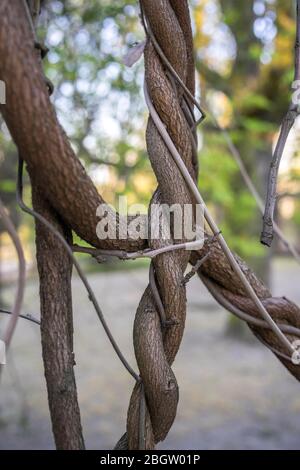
(55, 267)
(55, 272)
(183, 16)
(156, 346)
(41, 139)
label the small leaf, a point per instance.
(134, 54)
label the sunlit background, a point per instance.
(233, 392)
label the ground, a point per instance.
(233, 394)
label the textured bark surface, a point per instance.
(155, 346)
(55, 272)
(55, 268)
(183, 16)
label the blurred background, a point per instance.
(233, 392)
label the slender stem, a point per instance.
(286, 126)
(221, 299)
(124, 255)
(268, 218)
(21, 275)
(195, 191)
(81, 274)
(259, 202)
(25, 316)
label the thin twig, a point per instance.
(288, 194)
(9, 226)
(195, 192)
(259, 202)
(195, 269)
(286, 126)
(25, 316)
(217, 294)
(147, 253)
(81, 274)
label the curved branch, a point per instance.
(252, 189)
(38, 135)
(160, 318)
(268, 217)
(8, 225)
(286, 126)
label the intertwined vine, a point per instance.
(157, 341)
(160, 318)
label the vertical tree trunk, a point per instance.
(55, 267)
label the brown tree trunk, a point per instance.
(55, 270)
(33, 124)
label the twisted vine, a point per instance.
(156, 342)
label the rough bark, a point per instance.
(55, 269)
(156, 347)
(55, 273)
(183, 15)
(36, 131)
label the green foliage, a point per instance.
(255, 125)
(252, 101)
(233, 205)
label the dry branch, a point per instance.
(9, 227)
(286, 126)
